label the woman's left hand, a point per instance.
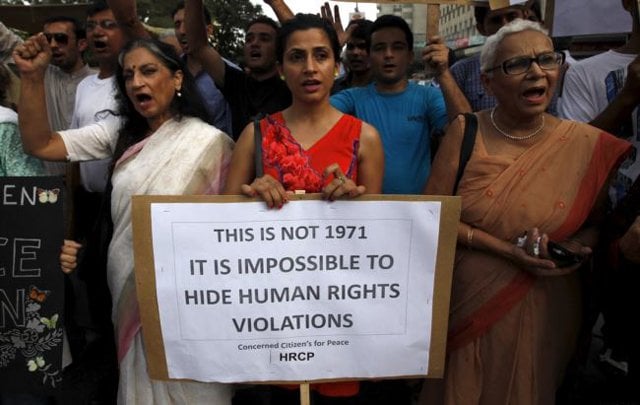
(533, 254)
(340, 185)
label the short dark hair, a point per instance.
(393, 21)
(362, 30)
(303, 22)
(78, 28)
(263, 19)
(180, 6)
(480, 12)
(536, 9)
(96, 7)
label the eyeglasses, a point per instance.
(522, 64)
(59, 37)
(104, 24)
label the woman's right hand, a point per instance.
(69, 255)
(33, 55)
(269, 189)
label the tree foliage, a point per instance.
(229, 16)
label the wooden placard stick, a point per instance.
(433, 20)
(305, 394)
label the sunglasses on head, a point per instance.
(60, 38)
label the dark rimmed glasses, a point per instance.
(60, 37)
(522, 64)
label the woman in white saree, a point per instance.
(160, 145)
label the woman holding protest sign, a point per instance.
(160, 144)
(310, 146)
(532, 191)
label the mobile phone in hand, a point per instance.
(561, 256)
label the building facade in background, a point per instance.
(458, 27)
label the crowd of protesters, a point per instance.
(542, 153)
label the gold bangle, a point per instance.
(470, 237)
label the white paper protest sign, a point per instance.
(313, 291)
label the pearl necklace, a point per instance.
(515, 138)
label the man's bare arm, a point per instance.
(282, 10)
(196, 28)
(126, 14)
(436, 55)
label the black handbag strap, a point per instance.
(468, 140)
(257, 134)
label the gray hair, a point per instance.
(488, 53)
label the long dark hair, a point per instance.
(134, 126)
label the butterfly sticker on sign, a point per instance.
(48, 196)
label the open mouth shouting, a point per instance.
(184, 45)
(255, 54)
(99, 44)
(142, 101)
(535, 94)
(311, 85)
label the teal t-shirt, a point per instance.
(406, 122)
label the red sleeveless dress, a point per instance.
(301, 169)
(297, 168)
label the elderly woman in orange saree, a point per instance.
(531, 179)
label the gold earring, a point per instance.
(282, 77)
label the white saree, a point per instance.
(181, 157)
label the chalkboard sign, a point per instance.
(31, 284)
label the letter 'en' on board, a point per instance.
(31, 284)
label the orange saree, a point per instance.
(511, 334)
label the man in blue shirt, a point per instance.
(405, 114)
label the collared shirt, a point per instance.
(466, 73)
(60, 95)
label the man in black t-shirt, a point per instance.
(259, 89)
